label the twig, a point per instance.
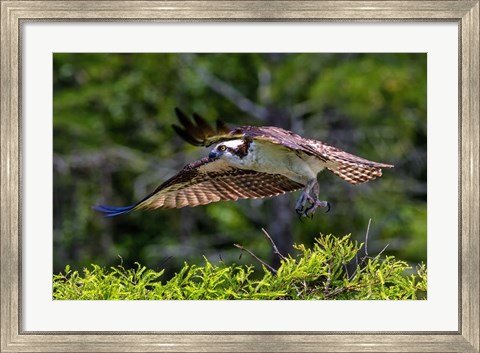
(275, 249)
(345, 268)
(327, 282)
(366, 237)
(256, 257)
(334, 292)
(362, 259)
(356, 267)
(165, 261)
(380, 253)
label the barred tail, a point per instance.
(357, 175)
(354, 169)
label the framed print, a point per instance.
(70, 73)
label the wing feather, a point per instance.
(211, 180)
(199, 132)
(349, 167)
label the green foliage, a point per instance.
(113, 144)
(314, 273)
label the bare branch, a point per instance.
(226, 90)
(232, 94)
(274, 246)
(366, 237)
(256, 257)
(380, 253)
(364, 258)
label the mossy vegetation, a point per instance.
(332, 269)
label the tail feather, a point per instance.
(357, 174)
(111, 211)
(354, 169)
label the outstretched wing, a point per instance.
(199, 133)
(209, 180)
(349, 167)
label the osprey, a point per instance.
(251, 162)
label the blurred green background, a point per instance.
(113, 144)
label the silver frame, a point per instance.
(465, 13)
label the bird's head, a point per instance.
(230, 150)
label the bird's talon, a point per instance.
(328, 207)
(307, 210)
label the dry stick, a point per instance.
(335, 292)
(164, 261)
(275, 249)
(380, 253)
(354, 273)
(255, 257)
(366, 253)
(327, 283)
(339, 290)
(363, 260)
(366, 237)
(345, 268)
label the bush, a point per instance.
(333, 269)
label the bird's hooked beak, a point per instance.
(213, 154)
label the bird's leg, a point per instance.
(310, 194)
(302, 200)
(300, 206)
(314, 201)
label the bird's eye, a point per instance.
(223, 148)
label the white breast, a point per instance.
(267, 157)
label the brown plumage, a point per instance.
(252, 162)
(349, 167)
(208, 180)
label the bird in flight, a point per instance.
(251, 162)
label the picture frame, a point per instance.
(14, 13)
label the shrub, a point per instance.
(332, 269)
